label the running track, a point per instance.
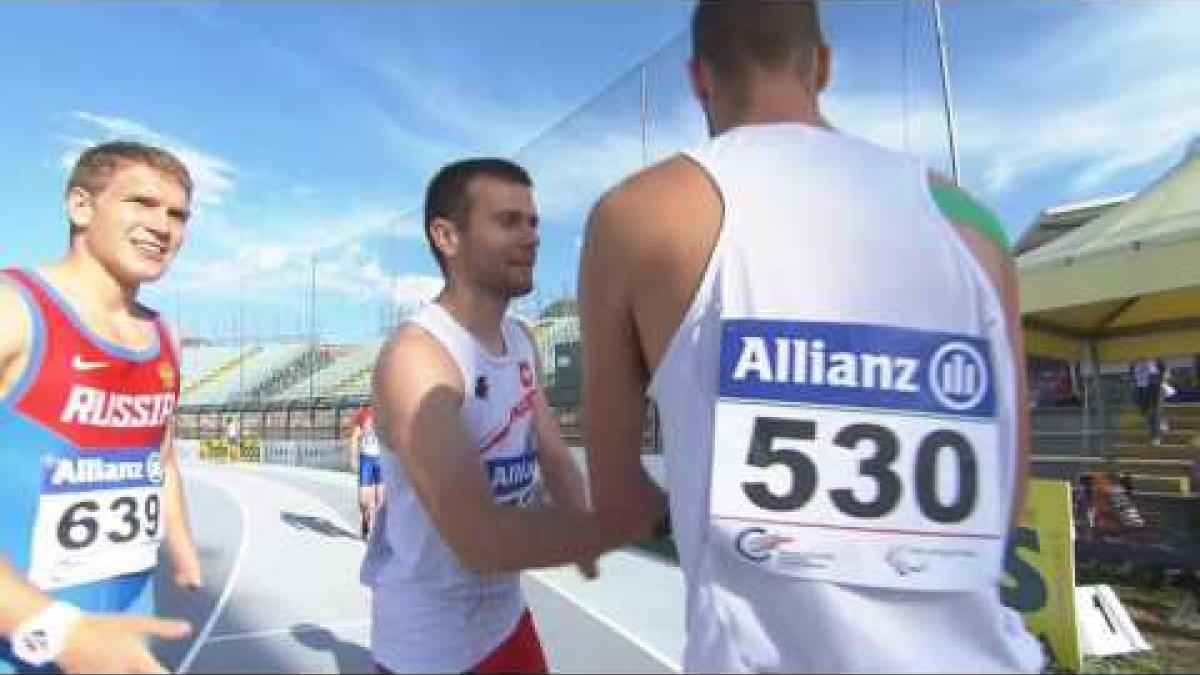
(281, 557)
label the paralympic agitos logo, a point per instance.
(757, 545)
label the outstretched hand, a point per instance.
(117, 644)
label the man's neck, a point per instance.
(82, 278)
(777, 104)
(481, 314)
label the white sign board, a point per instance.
(1105, 628)
(187, 450)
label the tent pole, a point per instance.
(1085, 377)
(1102, 421)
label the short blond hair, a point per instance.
(96, 166)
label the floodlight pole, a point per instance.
(948, 104)
(645, 96)
(312, 322)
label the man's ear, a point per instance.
(445, 236)
(81, 208)
(823, 62)
(698, 77)
(703, 82)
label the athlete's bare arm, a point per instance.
(563, 478)
(418, 393)
(646, 247)
(180, 543)
(15, 338)
(356, 434)
(18, 599)
(998, 265)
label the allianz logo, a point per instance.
(507, 475)
(957, 375)
(92, 470)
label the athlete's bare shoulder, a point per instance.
(660, 193)
(16, 337)
(647, 245)
(975, 224)
(413, 359)
(414, 377)
(657, 211)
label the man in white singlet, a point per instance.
(832, 339)
(468, 445)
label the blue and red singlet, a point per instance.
(80, 467)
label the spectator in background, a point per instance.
(364, 445)
(232, 432)
(1148, 383)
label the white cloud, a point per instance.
(572, 172)
(461, 120)
(212, 175)
(495, 126)
(303, 192)
(588, 154)
(1114, 91)
(1117, 90)
(312, 69)
(273, 260)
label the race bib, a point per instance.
(370, 442)
(859, 454)
(100, 515)
(513, 479)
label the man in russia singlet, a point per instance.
(831, 337)
(89, 379)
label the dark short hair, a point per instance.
(448, 194)
(736, 36)
(96, 165)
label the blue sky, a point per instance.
(312, 127)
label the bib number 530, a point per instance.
(763, 453)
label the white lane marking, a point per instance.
(311, 627)
(230, 581)
(650, 650)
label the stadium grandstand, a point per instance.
(290, 391)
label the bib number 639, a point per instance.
(122, 521)
(764, 453)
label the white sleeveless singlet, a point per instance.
(839, 419)
(429, 612)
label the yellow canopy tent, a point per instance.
(1125, 285)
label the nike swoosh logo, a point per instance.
(79, 364)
